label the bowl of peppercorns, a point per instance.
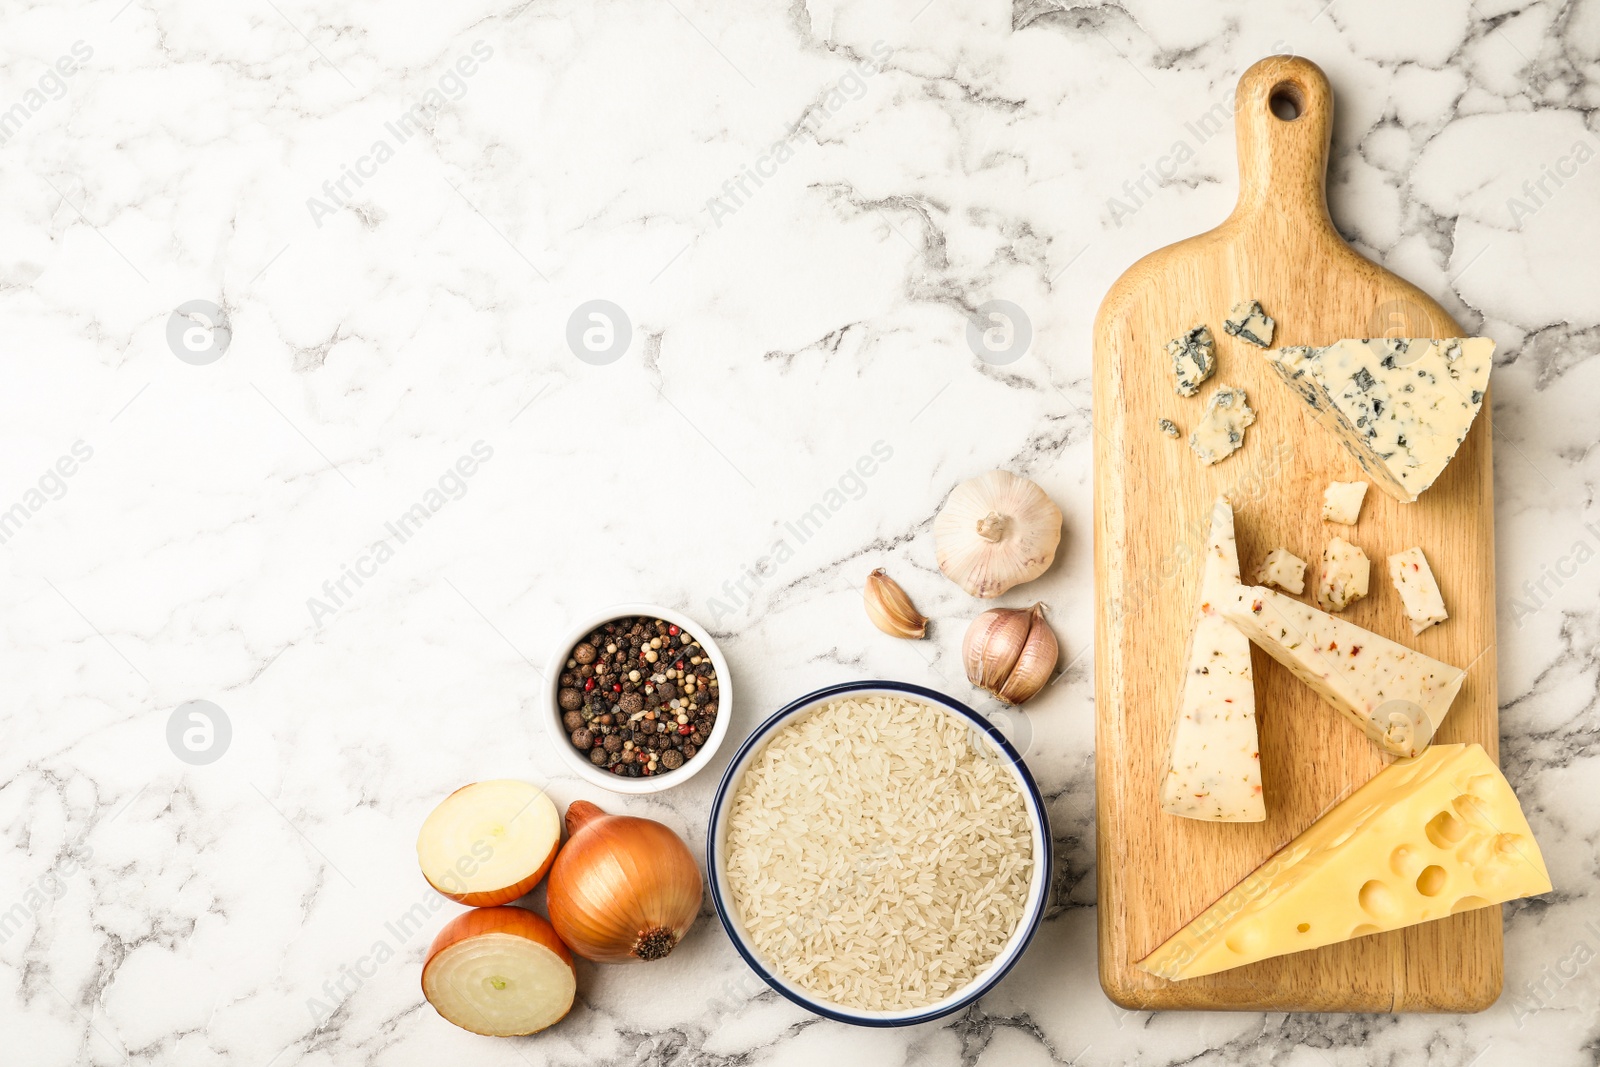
(639, 698)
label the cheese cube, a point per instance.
(1413, 580)
(1283, 569)
(1344, 576)
(1213, 758)
(1425, 838)
(1396, 695)
(1341, 502)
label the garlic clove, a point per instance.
(996, 531)
(992, 646)
(1010, 652)
(1038, 659)
(891, 610)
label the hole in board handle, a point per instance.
(1286, 101)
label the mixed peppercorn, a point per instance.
(638, 696)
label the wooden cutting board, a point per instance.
(1152, 500)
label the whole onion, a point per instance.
(622, 888)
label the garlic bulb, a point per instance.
(891, 610)
(1010, 652)
(995, 532)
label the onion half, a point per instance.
(490, 842)
(500, 972)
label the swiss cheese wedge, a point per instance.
(1213, 758)
(1425, 838)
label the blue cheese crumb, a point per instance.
(1194, 359)
(1168, 427)
(1222, 426)
(1248, 322)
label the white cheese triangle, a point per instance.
(1398, 696)
(1214, 761)
(1423, 839)
(1401, 405)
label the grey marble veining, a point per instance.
(799, 208)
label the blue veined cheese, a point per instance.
(1413, 580)
(1168, 427)
(1401, 406)
(1222, 425)
(1248, 322)
(1397, 696)
(1213, 758)
(1194, 359)
(1345, 576)
(1283, 569)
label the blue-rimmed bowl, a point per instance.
(983, 733)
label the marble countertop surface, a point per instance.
(276, 274)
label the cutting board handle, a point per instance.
(1283, 162)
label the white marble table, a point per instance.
(398, 212)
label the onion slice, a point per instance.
(490, 842)
(501, 972)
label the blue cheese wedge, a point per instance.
(1248, 322)
(1401, 406)
(1194, 359)
(1341, 502)
(1283, 569)
(1222, 425)
(1214, 760)
(1345, 576)
(1397, 696)
(1413, 580)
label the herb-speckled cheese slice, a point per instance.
(1222, 425)
(1413, 580)
(1397, 696)
(1214, 761)
(1425, 838)
(1401, 406)
(1193, 359)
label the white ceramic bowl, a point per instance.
(983, 733)
(556, 733)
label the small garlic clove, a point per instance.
(992, 645)
(891, 610)
(996, 531)
(1038, 659)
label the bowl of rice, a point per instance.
(879, 853)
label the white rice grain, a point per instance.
(878, 859)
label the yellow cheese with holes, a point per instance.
(1425, 838)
